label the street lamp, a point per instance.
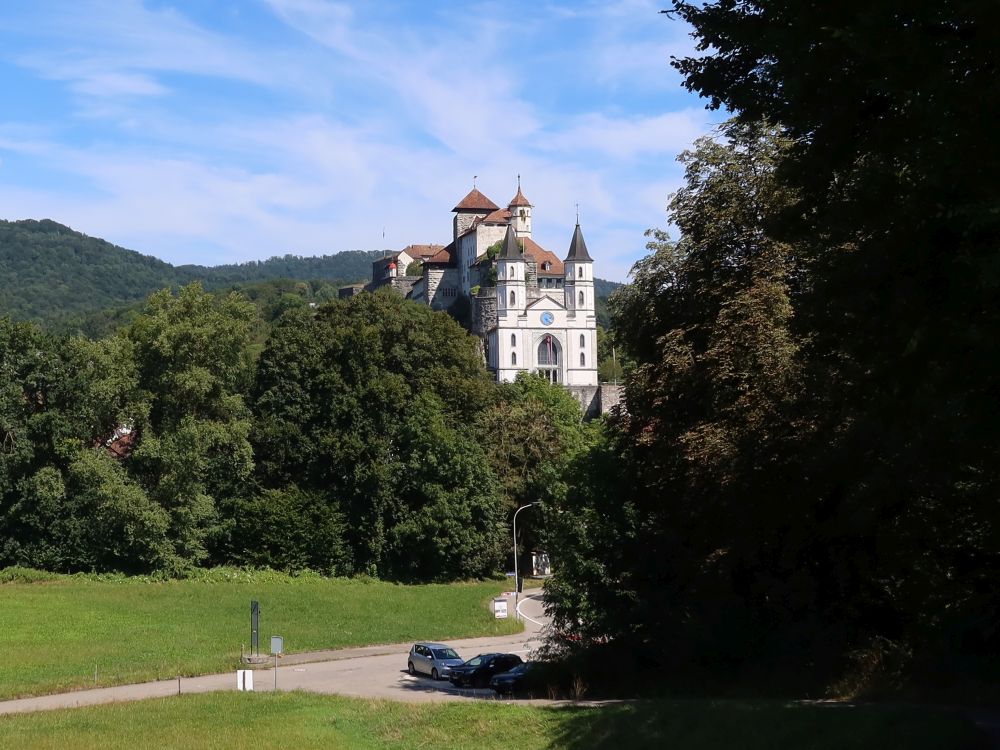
(517, 581)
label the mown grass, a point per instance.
(56, 631)
(300, 720)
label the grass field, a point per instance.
(56, 632)
(299, 720)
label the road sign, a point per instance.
(277, 644)
(500, 609)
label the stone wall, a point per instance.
(436, 281)
(589, 397)
(597, 399)
(484, 311)
(612, 396)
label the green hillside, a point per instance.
(69, 281)
(49, 271)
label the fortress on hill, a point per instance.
(531, 311)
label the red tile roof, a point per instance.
(541, 255)
(519, 199)
(500, 216)
(445, 256)
(421, 252)
(475, 201)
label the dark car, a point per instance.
(522, 678)
(478, 670)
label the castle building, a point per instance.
(532, 311)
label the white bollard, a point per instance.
(244, 680)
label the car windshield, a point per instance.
(519, 668)
(445, 653)
(474, 662)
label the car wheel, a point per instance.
(434, 674)
(410, 669)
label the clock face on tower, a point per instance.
(547, 318)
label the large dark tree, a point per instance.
(891, 107)
(667, 519)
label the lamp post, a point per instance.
(517, 581)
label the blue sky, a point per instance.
(217, 132)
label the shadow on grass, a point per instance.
(756, 725)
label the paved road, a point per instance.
(370, 672)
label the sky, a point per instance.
(226, 131)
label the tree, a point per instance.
(193, 454)
(291, 529)
(890, 111)
(371, 402)
(677, 502)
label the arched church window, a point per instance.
(513, 340)
(513, 299)
(581, 299)
(511, 273)
(583, 360)
(579, 272)
(548, 351)
(513, 358)
(548, 359)
(583, 342)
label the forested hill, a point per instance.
(604, 288)
(48, 270)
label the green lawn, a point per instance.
(54, 632)
(299, 720)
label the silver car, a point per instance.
(434, 659)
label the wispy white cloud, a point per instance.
(128, 44)
(336, 123)
(629, 137)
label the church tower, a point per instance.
(511, 286)
(520, 212)
(578, 282)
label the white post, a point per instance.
(516, 579)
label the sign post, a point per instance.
(500, 608)
(277, 647)
(255, 627)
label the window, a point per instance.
(513, 299)
(511, 273)
(548, 351)
(583, 342)
(513, 340)
(581, 299)
(579, 272)
(513, 358)
(583, 360)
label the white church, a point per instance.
(532, 311)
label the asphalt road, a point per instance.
(369, 672)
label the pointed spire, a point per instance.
(519, 200)
(577, 247)
(510, 250)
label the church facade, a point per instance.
(532, 310)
